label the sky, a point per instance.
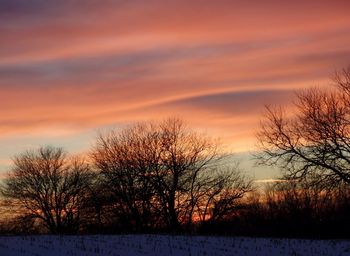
(69, 69)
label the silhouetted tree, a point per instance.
(186, 160)
(224, 194)
(126, 160)
(166, 175)
(314, 142)
(49, 186)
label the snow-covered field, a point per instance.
(167, 245)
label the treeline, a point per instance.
(290, 209)
(162, 178)
(165, 177)
(145, 178)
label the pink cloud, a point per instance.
(82, 66)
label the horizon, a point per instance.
(68, 70)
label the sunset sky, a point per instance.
(71, 68)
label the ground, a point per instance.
(153, 245)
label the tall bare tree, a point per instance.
(49, 186)
(126, 160)
(185, 157)
(313, 142)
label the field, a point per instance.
(123, 245)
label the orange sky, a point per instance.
(69, 68)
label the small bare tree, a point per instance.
(315, 141)
(49, 187)
(222, 197)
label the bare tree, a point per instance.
(186, 157)
(49, 186)
(166, 174)
(314, 142)
(126, 160)
(223, 199)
